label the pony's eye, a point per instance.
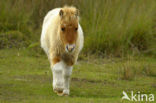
(76, 29)
(63, 29)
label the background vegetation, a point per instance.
(111, 27)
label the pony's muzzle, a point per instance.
(70, 47)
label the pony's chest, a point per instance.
(67, 57)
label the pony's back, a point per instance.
(47, 21)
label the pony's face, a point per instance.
(69, 28)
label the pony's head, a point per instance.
(69, 27)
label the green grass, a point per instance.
(27, 79)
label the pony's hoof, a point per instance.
(60, 94)
(58, 90)
(65, 92)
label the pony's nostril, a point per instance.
(70, 48)
(67, 47)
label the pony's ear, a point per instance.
(77, 13)
(61, 13)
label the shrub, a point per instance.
(13, 39)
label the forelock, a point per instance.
(69, 13)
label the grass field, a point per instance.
(26, 78)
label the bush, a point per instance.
(13, 39)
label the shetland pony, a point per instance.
(62, 41)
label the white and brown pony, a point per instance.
(62, 40)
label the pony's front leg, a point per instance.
(57, 70)
(66, 79)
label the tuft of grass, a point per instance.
(131, 69)
(35, 49)
(149, 70)
(128, 72)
